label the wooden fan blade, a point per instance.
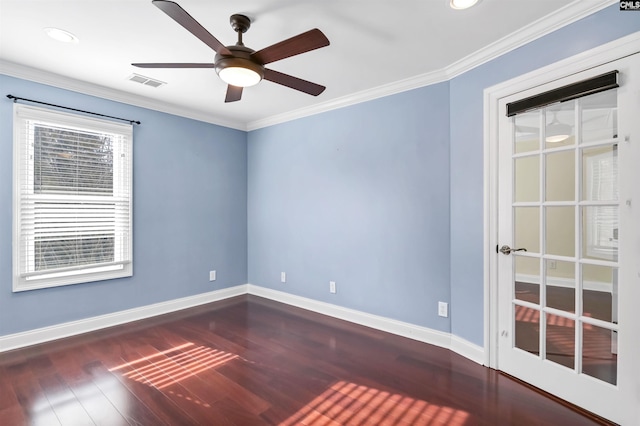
(181, 16)
(305, 42)
(234, 93)
(173, 65)
(293, 82)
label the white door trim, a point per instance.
(600, 55)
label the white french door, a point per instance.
(569, 219)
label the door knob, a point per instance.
(506, 250)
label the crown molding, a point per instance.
(56, 80)
(570, 13)
(355, 98)
(564, 16)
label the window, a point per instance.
(601, 222)
(72, 199)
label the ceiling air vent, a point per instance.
(147, 81)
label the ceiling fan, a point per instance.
(239, 66)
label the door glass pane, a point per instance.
(599, 116)
(560, 340)
(527, 280)
(527, 329)
(566, 179)
(599, 292)
(560, 231)
(527, 228)
(600, 353)
(527, 132)
(560, 176)
(560, 123)
(600, 173)
(527, 178)
(561, 285)
(600, 232)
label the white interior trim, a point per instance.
(56, 80)
(600, 55)
(566, 15)
(467, 349)
(355, 98)
(60, 331)
(574, 11)
(423, 334)
(570, 13)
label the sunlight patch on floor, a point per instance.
(168, 367)
(347, 403)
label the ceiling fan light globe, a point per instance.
(556, 138)
(239, 76)
(557, 132)
(239, 70)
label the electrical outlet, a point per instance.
(283, 277)
(553, 264)
(212, 275)
(443, 309)
(332, 286)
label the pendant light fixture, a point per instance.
(556, 131)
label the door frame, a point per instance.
(597, 56)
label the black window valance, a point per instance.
(579, 89)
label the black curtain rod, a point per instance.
(15, 98)
(582, 88)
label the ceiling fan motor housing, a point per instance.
(241, 58)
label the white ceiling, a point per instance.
(377, 47)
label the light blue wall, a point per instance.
(190, 204)
(384, 197)
(467, 150)
(359, 196)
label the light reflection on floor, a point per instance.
(48, 409)
(347, 403)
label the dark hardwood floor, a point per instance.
(598, 359)
(251, 361)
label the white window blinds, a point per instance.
(72, 198)
(602, 222)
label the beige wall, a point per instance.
(560, 221)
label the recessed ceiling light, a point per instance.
(462, 4)
(61, 35)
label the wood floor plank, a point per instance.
(154, 400)
(132, 408)
(8, 397)
(236, 414)
(156, 370)
(34, 403)
(251, 361)
(97, 405)
(13, 415)
(68, 409)
(70, 367)
(199, 376)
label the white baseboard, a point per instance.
(59, 331)
(467, 349)
(423, 334)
